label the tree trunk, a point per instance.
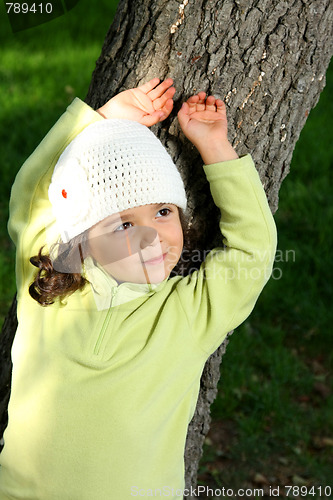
(6, 340)
(267, 59)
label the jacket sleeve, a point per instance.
(221, 295)
(31, 219)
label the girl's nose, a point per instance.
(147, 236)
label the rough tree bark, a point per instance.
(266, 58)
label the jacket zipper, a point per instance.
(105, 324)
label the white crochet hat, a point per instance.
(111, 166)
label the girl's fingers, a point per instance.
(192, 102)
(147, 87)
(201, 106)
(202, 96)
(220, 106)
(153, 118)
(211, 103)
(197, 102)
(191, 106)
(159, 102)
(158, 115)
(200, 102)
(166, 109)
(158, 91)
(185, 108)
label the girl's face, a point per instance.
(139, 245)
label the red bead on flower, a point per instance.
(64, 193)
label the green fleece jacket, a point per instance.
(102, 396)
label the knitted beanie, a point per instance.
(112, 165)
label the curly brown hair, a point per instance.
(55, 277)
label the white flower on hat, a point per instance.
(69, 194)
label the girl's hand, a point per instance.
(148, 104)
(204, 122)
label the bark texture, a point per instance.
(266, 58)
(6, 340)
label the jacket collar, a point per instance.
(108, 292)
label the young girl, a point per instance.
(109, 350)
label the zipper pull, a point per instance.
(113, 294)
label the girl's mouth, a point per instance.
(156, 260)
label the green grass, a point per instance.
(276, 374)
(41, 70)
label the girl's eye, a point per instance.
(164, 212)
(124, 226)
